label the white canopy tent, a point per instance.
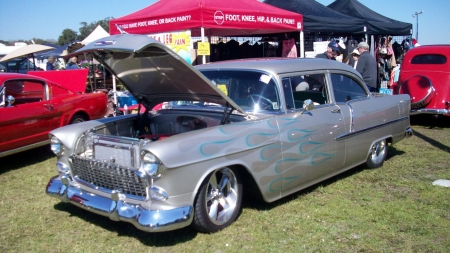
(98, 33)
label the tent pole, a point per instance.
(114, 88)
(372, 46)
(203, 40)
(302, 45)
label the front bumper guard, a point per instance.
(118, 210)
(429, 111)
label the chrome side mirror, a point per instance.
(10, 100)
(308, 105)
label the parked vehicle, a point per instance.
(18, 65)
(229, 125)
(33, 104)
(425, 76)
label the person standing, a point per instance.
(72, 63)
(50, 62)
(332, 51)
(367, 67)
(353, 61)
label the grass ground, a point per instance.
(391, 209)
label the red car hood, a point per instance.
(74, 80)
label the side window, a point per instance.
(2, 96)
(25, 91)
(310, 86)
(346, 89)
(287, 89)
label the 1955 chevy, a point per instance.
(226, 126)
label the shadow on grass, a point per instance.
(430, 121)
(25, 158)
(125, 229)
(258, 203)
(433, 142)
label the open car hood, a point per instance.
(152, 72)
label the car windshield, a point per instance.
(250, 90)
(18, 65)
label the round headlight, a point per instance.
(150, 164)
(56, 145)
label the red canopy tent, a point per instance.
(214, 17)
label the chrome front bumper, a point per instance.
(118, 210)
(429, 111)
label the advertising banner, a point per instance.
(180, 42)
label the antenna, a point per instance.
(120, 29)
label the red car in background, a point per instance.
(425, 76)
(33, 104)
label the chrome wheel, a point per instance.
(377, 154)
(221, 196)
(219, 201)
(77, 119)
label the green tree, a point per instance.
(38, 41)
(6, 43)
(87, 29)
(67, 36)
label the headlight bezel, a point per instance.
(151, 165)
(56, 146)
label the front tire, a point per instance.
(377, 155)
(218, 202)
(77, 118)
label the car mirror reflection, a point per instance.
(308, 105)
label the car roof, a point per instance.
(9, 75)
(443, 49)
(279, 65)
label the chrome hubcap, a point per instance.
(221, 196)
(378, 152)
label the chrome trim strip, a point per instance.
(351, 134)
(24, 148)
(430, 111)
(119, 210)
(352, 120)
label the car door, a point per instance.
(361, 114)
(310, 149)
(21, 123)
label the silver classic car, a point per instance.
(278, 124)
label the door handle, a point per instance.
(336, 111)
(49, 106)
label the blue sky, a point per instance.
(27, 19)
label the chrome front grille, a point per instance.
(108, 176)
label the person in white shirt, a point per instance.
(355, 56)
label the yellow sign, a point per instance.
(203, 48)
(223, 88)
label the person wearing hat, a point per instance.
(367, 66)
(332, 51)
(50, 62)
(353, 61)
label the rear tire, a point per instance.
(77, 118)
(377, 155)
(218, 202)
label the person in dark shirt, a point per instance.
(332, 51)
(72, 63)
(367, 67)
(50, 62)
